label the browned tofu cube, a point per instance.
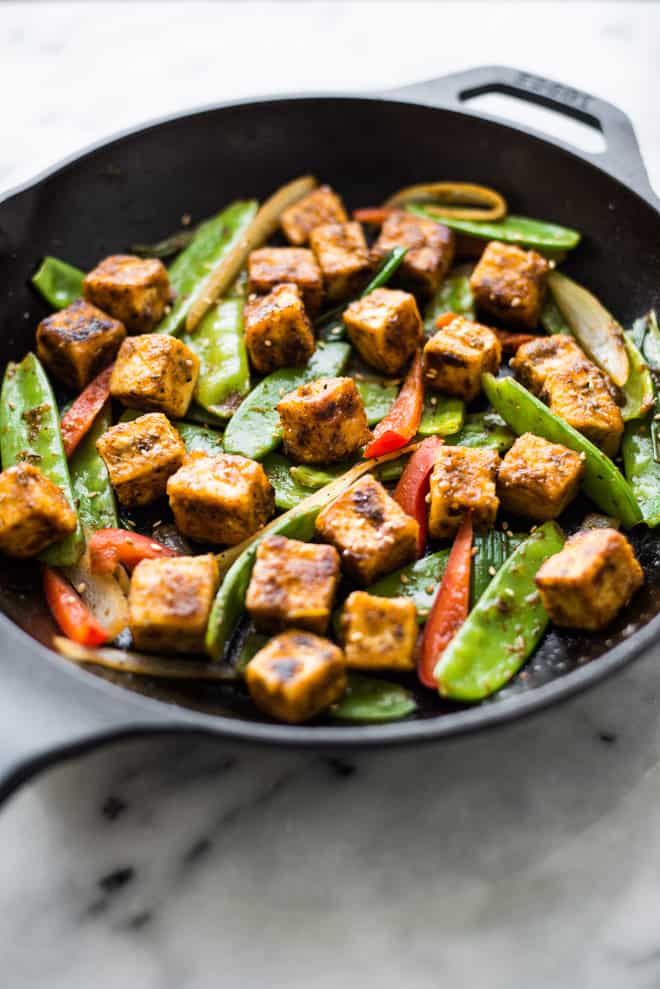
(34, 512)
(373, 535)
(296, 676)
(581, 395)
(385, 327)
(463, 480)
(430, 250)
(323, 205)
(221, 499)
(537, 360)
(140, 456)
(170, 601)
(77, 343)
(323, 421)
(457, 355)
(509, 283)
(293, 584)
(538, 479)
(379, 633)
(133, 290)
(587, 583)
(343, 257)
(155, 372)
(278, 332)
(271, 266)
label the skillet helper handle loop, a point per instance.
(622, 157)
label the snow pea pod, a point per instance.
(454, 295)
(442, 416)
(92, 491)
(418, 580)
(492, 549)
(522, 230)
(378, 398)
(551, 318)
(371, 701)
(641, 467)
(503, 628)
(329, 325)
(58, 282)
(30, 432)
(602, 482)
(190, 272)
(486, 430)
(288, 490)
(218, 341)
(254, 429)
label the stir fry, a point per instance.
(320, 455)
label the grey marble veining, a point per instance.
(528, 857)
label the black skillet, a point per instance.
(136, 187)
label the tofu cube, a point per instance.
(293, 584)
(77, 343)
(34, 512)
(133, 290)
(296, 676)
(271, 266)
(379, 633)
(222, 499)
(385, 328)
(140, 456)
(170, 601)
(538, 479)
(155, 372)
(278, 332)
(373, 535)
(457, 355)
(582, 397)
(463, 480)
(323, 421)
(535, 361)
(323, 205)
(430, 251)
(587, 583)
(509, 283)
(343, 257)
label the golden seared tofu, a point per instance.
(278, 332)
(373, 535)
(463, 480)
(537, 479)
(509, 284)
(296, 676)
(430, 250)
(323, 205)
(323, 421)
(343, 257)
(140, 456)
(271, 266)
(537, 360)
(458, 354)
(222, 499)
(133, 290)
(385, 327)
(155, 372)
(582, 397)
(77, 343)
(379, 633)
(587, 583)
(34, 512)
(170, 601)
(293, 584)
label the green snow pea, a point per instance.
(372, 701)
(168, 246)
(418, 580)
(254, 429)
(638, 390)
(454, 295)
(645, 334)
(522, 230)
(503, 628)
(329, 325)
(218, 341)
(484, 429)
(552, 320)
(289, 492)
(213, 240)
(30, 432)
(58, 282)
(442, 416)
(377, 397)
(641, 467)
(602, 482)
(493, 548)
(92, 491)
(252, 642)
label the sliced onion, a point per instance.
(462, 200)
(103, 595)
(143, 664)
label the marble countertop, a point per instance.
(528, 857)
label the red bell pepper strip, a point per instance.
(80, 417)
(401, 422)
(444, 319)
(511, 341)
(110, 547)
(373, 215)
(450, 607)
(70, 612)
(413, 487)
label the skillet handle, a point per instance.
(622, 157)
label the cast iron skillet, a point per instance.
(136, 188)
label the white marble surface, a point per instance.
(526, 858)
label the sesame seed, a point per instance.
(430, 588)
(81, 587)
(403, 578)
(505, 525)
(434, 401)
(268, 343)
(185, 220)
(427, 498)
(492, 571)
